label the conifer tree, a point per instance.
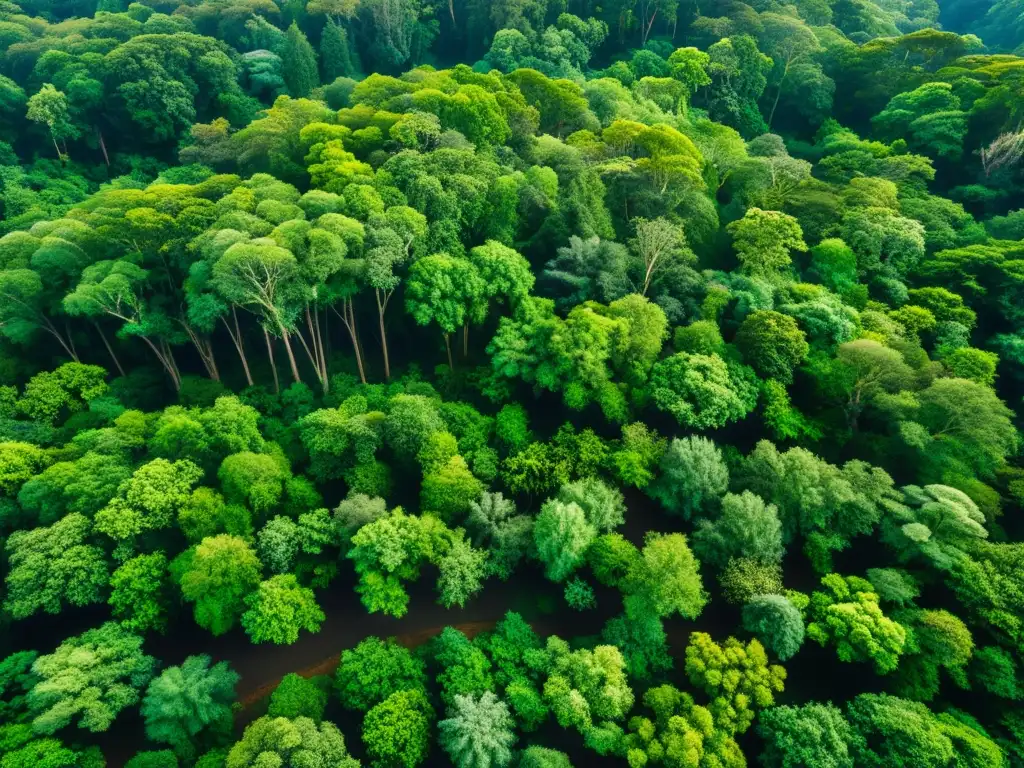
(300, 71)
(335, 53)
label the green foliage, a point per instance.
(776, 622)
(745, 527)
(665, 579)
(561, 535)
(297, 696)
(290, 744)
(737, 677)
(183, 701)
(396, 732)
(702, 391)
(375, 669)
(478, 733)
(217, 575)
(847, 615)
(693, 475)
(811, 736)
(139, 593)
(51, 567)
(279, 609)
(88, 680)
(579, 595)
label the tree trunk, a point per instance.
(236, 339)
(448, 347)
(110, 349)
(348, 318)
(291, 355)
(103, 147)
(465, 339)
(167, 363)
(381, 307)
(273, 365)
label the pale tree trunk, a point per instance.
(273, 365)
(166, 361)
(103, 147)
(291, 355)
(348, 318)
(448, 347)
(110, 349)
(382, 307)
(236, 339)
(315, 354)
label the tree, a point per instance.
(183, 701)
(148, 501)
(335, 52)
(375, 669)
(561, 535)
(297, 696)
(478, 732)
(139, 593)
(90, 679)
(736, 676)
(682, 733)
(764, 239)
(586, 686)
(288, 743)
(847, 614)
(602, 505)
(54, 566)
(665, 579)
(50, 106)
(868, 369)
(689, 66)
(809, 736)
(896, 733)
(396, 732)
(217, 575)
(278, 609)
(300, 69)
(542, 757)
(776, 622)
(450, 489)
(746, 527)
(693, 476)
(660, 245)
(772, 344)
(971, 417)
(445, 290)
(702, 391)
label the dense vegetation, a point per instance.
(294, 294)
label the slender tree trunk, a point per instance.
(778, 95)
(291, 355)
(236, 339)
(381, 308)
(313, 353)
(110, 349)
(273, 365)
(71, 342)
(448, 347)
(60, 156)
(451, 10)
(60, 340)
(465, 339)
(103, 147)
(348, 319)
(168, 364)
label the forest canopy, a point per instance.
(634, 383)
